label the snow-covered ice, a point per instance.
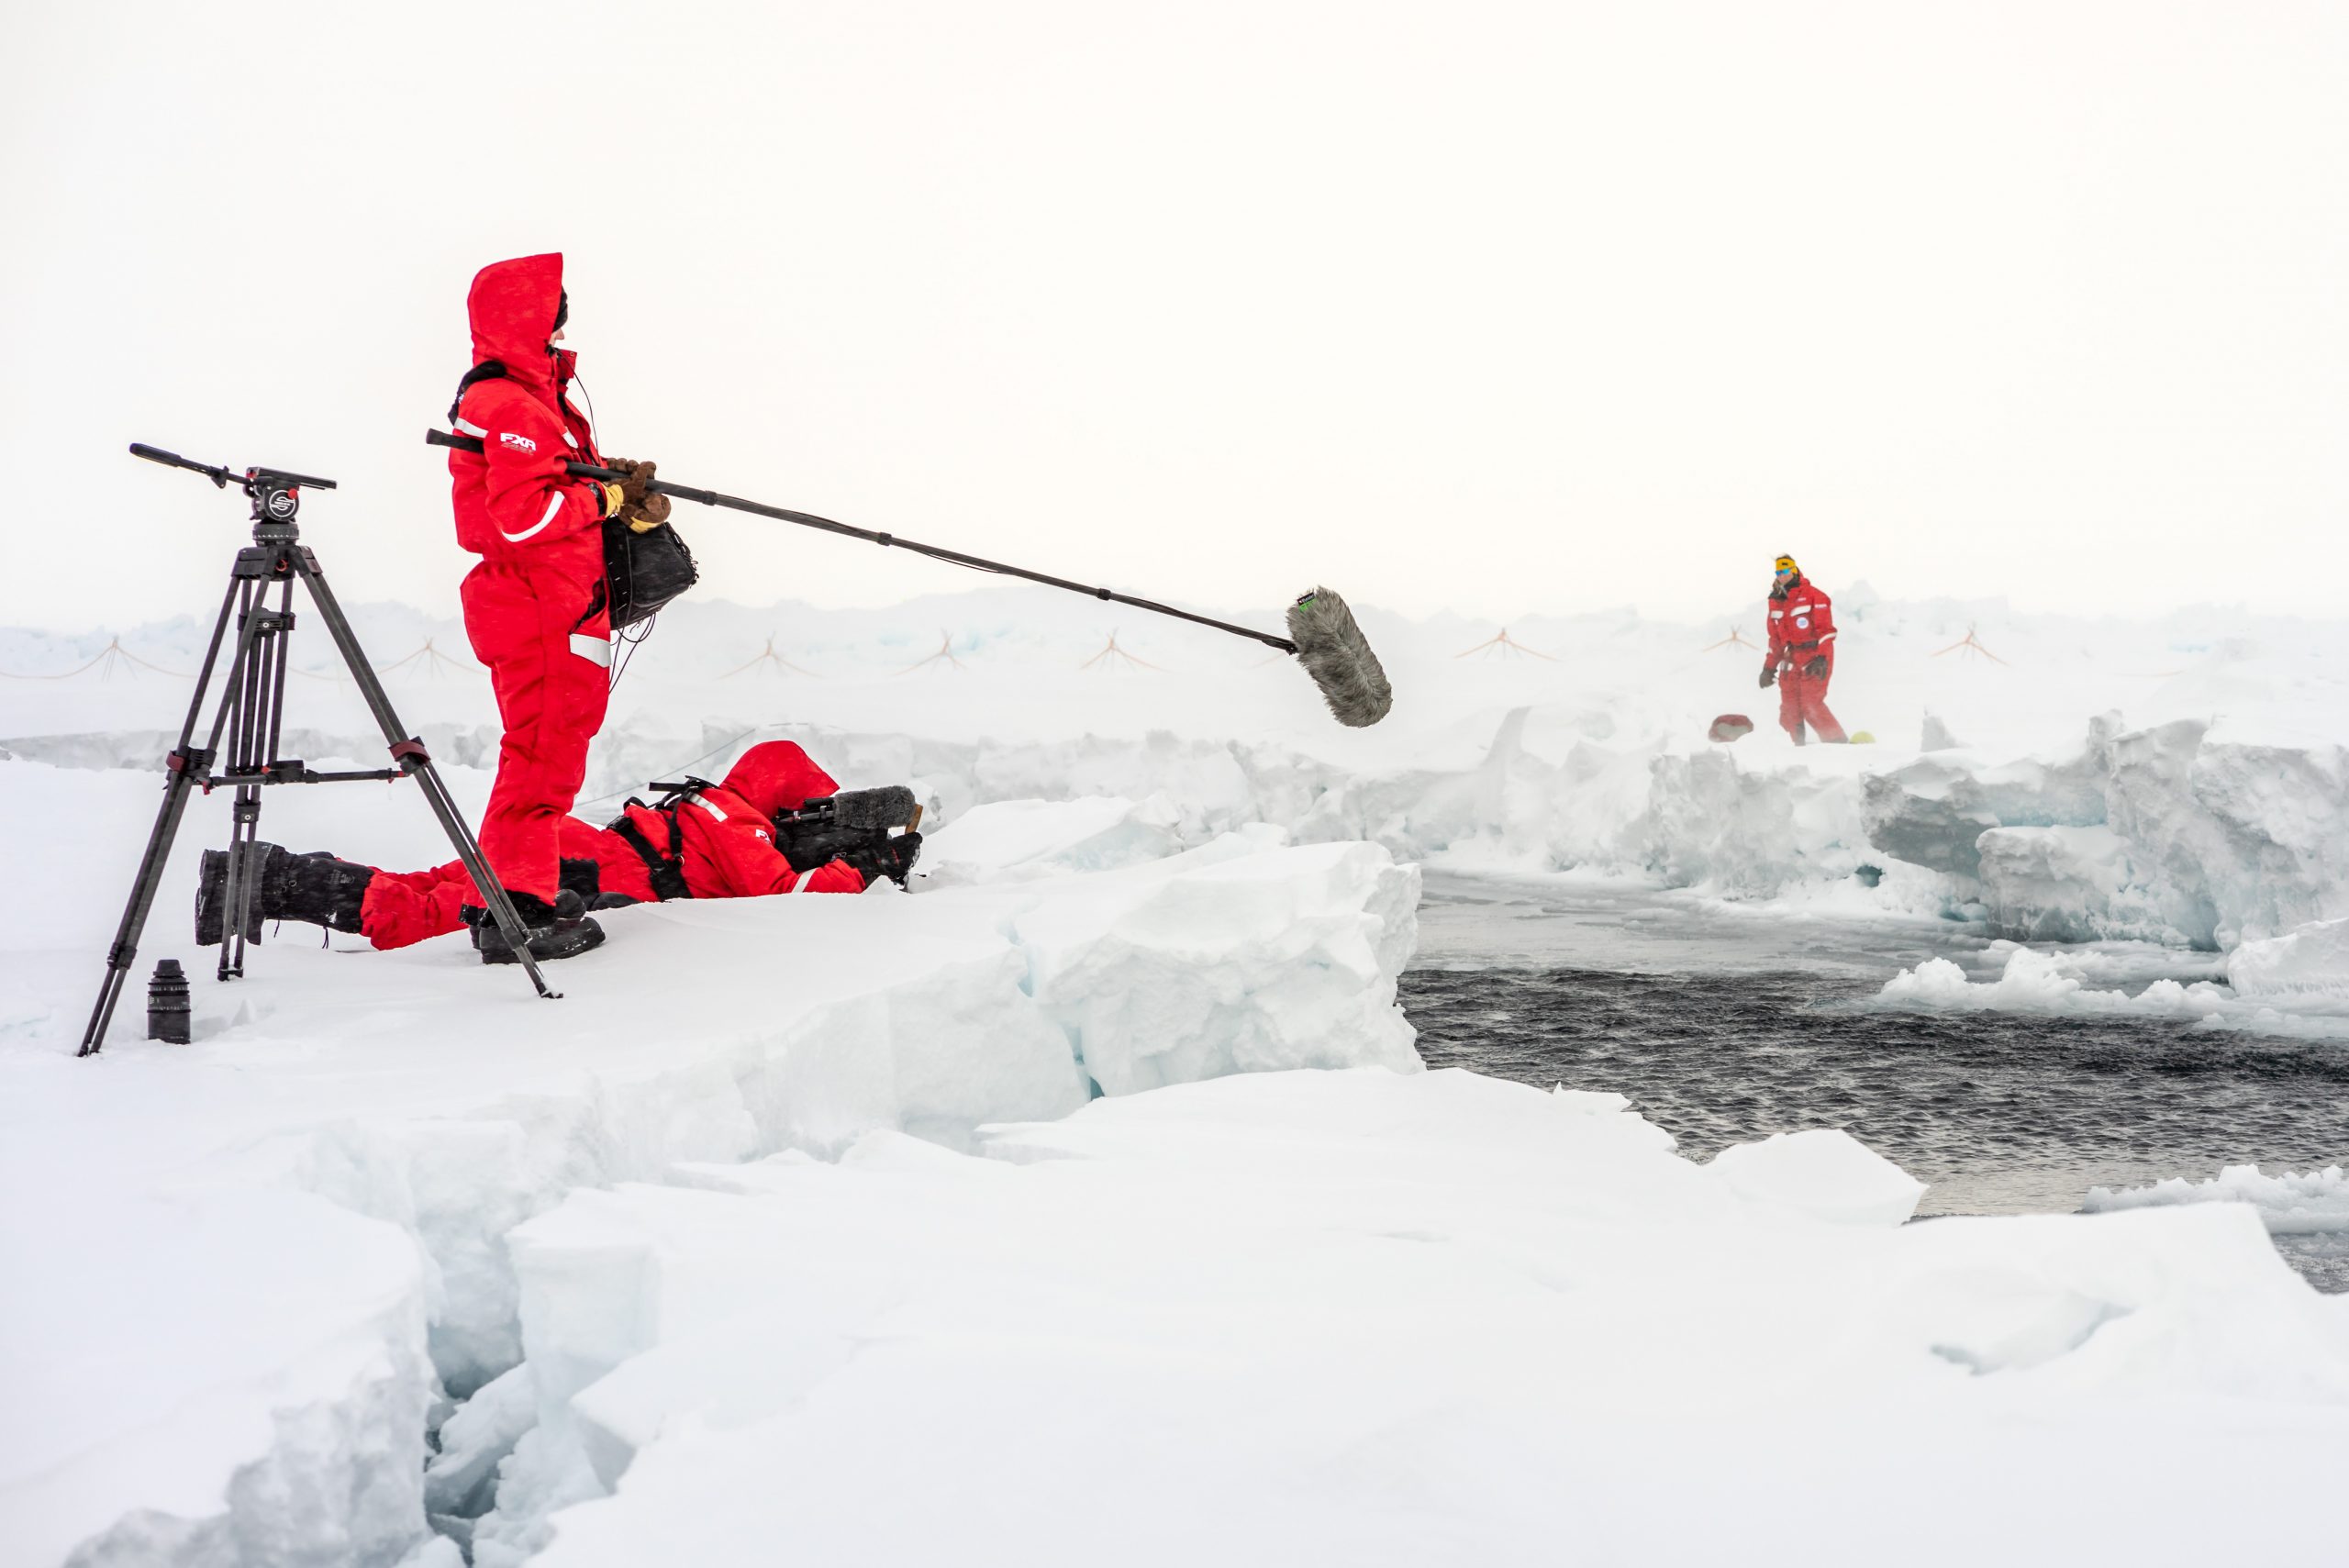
(252, 1264)
(2289, 1203)
(2037, 981)
(1380, 1318)
(2059, 981)
(1030, 839)
(799, 1226)
(2170, 834)
(2307, 966)
(201, 1372)
(1823, 1173)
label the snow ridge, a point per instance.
(2161, 835)
(363, 1134)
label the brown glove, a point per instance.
(640, 509)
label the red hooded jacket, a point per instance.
(1802, 625)
(515, 503)
(725, 835)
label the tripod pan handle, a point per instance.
(220, 476)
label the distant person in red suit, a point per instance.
(1801, 660)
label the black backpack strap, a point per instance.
(666, 872)
(488, 370)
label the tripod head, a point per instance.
(275, 492)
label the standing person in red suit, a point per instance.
(535, 606)
(1802, 654)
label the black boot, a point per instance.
(212, 892)
(561, 929)
(583, 877)
(316, 888)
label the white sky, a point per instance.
(1498, 309)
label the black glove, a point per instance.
(1769, 674)
(1817, 668)
(882, 855)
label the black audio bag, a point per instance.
(645, 571)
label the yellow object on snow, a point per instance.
(1861, 738)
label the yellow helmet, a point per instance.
(1786, 563)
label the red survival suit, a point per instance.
(725, 839)
(535, 605)
(1802, 628)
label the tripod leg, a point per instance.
(244, 682)
(184, 767)
(125, 951)
(493, 893)
(260, 719)
(410, 755)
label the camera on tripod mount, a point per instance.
(273, 497)
(275, 491)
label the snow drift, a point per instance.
(1382, 1319)
(266, 1263)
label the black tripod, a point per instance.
(253, 702)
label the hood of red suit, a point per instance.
(773, 777)
(511, 308)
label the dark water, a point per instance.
(2000, 1112)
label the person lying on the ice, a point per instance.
(778, 823)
